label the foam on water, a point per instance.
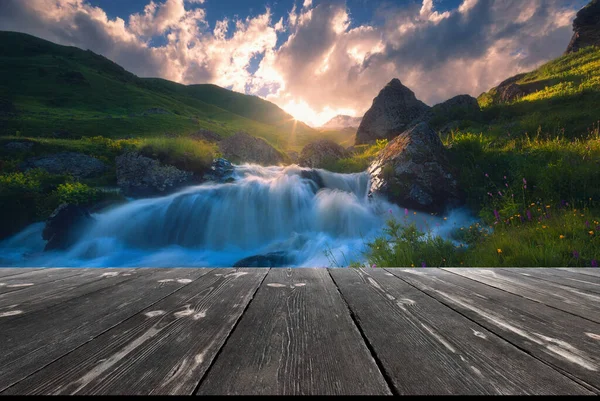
(267, 209)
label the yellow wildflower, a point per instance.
(499, 251)
(562, 236)
(591, 232)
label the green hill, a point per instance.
(47, 88)
(559, 98)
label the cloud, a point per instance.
(326, 62)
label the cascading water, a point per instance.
(304, 214)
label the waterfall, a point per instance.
(294, 210)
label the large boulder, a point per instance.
(461, 107)
(221, 170)
(413, 171)
(586, 27)
(318, 154)
(139, 175)
(394, 110)
(65, 226)
(78, 165)
(244, 148)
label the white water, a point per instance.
(267, 209)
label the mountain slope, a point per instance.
(342, 121)
(560, 97)
(45, 88)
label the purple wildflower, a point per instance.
(587, 224)
(506, 185)
(405, 211)
(524, 181)
(576, 254)
(529, 214)
(423, 264)
(486, 174)
(522, 219)
(594, 263)
(505, 177)
(490, 194)
(497, 215)
(499, 193)
(373, 266)
(391, 211)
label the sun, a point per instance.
(301, 111)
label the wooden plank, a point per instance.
(163, 350)
(297, 337)
(427, 348)
(33, 278)
(581, 282)
(85, 281)
(583, 304)
(38, 338)
(590, 271)
(568, 342)
(13, 271)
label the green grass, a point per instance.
(362, 156)
(45, 88)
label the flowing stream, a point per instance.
(314, 217)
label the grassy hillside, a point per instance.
(531, 172)
(561, 98)
(47, 88)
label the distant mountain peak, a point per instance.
(342, 121)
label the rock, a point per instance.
(413, 171)
(318, 154)
(394, 110)
(139, 175)
(18, 146)
(273, 259)
(65, 226)
(447, 128)
(244, 148)
(206, 135)
(78, 165)
(461, 107)
(314, 177)
(293, 155)
(221, 170)
(586, 27)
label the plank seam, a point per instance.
(17, 268)
(565, 284)
(13, 290)
(524, 297)
(380, 366)
(235, 325)
(549, 364)
(99, 334)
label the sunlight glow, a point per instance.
(303, 112)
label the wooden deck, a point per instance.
(299, 331)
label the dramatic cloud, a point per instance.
(325, 64)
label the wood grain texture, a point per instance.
(36, 339)
(427, 348)
(581, 282)
(590, 271)
(297, 337)
(164, 349)
(568, 342)
(33, 278)
(580, 303)
(13, 271)
(43, 296)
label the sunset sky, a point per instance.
(315, 59)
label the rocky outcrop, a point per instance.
(139, 175)
(293, 155)
(318, 154)
(206, 135)
(273, 259)
(413, 171)
(78, 165)
(65, 226)
(586, 27)
(461, 107)
(18, 146)
(221, 170)
(244, 148)
(393, 111)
